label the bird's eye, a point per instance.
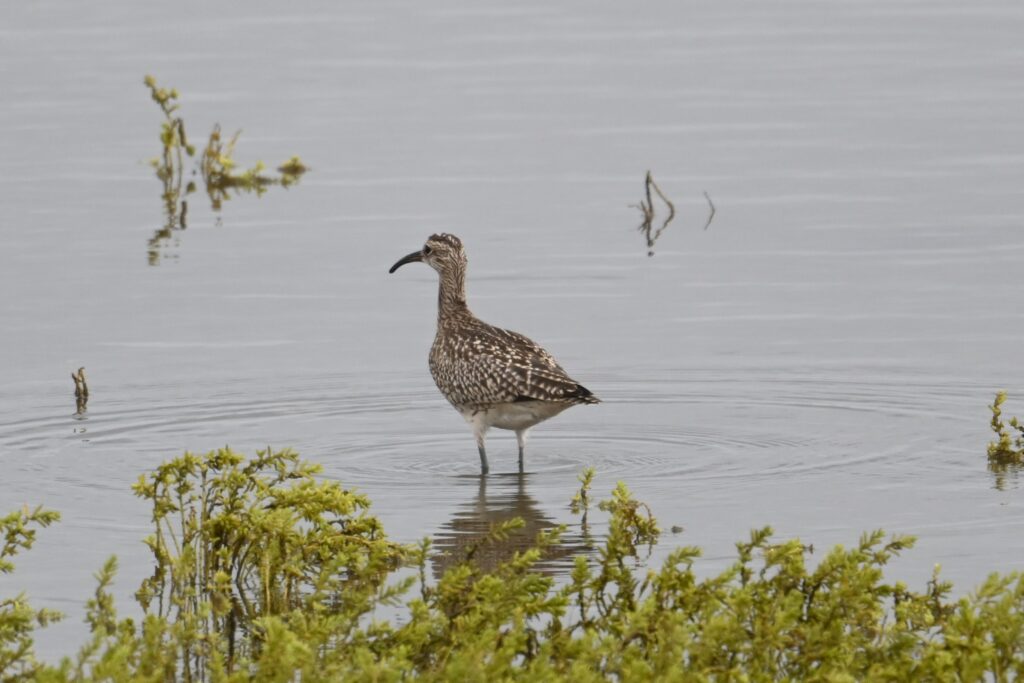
(426, 251)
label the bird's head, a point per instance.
(442, 252)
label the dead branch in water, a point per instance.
(81, 390)
(646, 206)
(670, 205)
(646, 226)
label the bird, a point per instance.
(493, 377)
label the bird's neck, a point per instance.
(451, 293)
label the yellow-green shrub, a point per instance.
(262, 572)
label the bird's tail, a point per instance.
(584, 395)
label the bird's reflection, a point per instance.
(500, 498)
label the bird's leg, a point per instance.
(484, 467)
(480, 432)
(521, 440)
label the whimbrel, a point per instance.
(493, 377)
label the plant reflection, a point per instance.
(500, 499)
(1004, 475)
(175, 213)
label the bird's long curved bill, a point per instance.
(414, 257)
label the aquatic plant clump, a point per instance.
(1006, 453)
(217, 162)
(216, 165)
(263, 572)
(1008, 448)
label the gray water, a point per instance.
(819, 359)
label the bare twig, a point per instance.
(671, 206)
(647, 188)
(711, 215)
(647, 209)
(81, 390)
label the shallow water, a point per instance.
(820, 358)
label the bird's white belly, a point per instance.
(515, 416)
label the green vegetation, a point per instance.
(170, 168)
(17, 618)
(263, 572)
(1008, 448)
(1006, 453)
(216, 165)
(218, 170)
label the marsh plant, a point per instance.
(264, 572)
(170, 168)
(221, 177)
(1006, 453)
(216, 166)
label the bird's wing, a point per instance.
(501, 366)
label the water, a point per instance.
(820, 358)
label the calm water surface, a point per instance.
(819, 359)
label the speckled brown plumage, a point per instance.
(493, 377)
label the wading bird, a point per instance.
(493, 377)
